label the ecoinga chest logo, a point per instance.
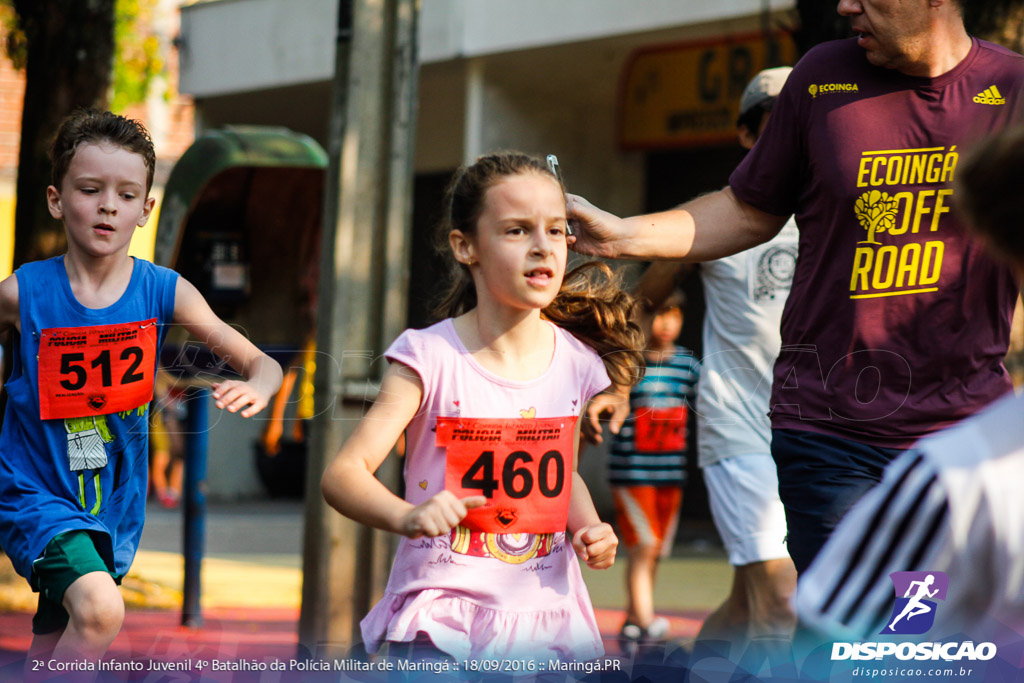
(817, 89)
(902, 199)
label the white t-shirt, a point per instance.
(952, 504)
(745, 295)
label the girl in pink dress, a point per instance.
(494, 514)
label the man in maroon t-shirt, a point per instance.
(897, 322)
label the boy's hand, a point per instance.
(596, 545)
(234, 395)
(438, 516)
(611, 406)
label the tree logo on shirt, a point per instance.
(813, 90)
(876, 212)
(910, 212)
(914, 612)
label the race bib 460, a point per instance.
(524, 468)
(96, 370)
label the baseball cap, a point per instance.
(766, 86)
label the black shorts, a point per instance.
(820, 478)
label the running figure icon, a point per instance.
(914, 606)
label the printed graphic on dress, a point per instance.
(508, 548)
(904, 195)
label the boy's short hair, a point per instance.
(92, 126)
(676, 300)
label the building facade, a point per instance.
(637, 99)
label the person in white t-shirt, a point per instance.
(952, 504)
(745, 294)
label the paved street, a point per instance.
(252, 584)
(266, 539)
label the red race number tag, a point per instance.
(523, 466)
(98, 370)
(660, 430)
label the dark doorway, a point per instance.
(427, 270)
(674, 177)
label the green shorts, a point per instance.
(67, 557)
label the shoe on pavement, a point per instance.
(658, 629)
(631, 632)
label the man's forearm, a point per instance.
(704, 229)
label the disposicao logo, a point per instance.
(913, 613)
(914, 610)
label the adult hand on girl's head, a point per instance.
(439, 515)
(596, 545)
(596, 231)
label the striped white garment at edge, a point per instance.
(953, 504)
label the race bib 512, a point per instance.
(98, 370)
(524, 468)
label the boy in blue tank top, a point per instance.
(73, 449)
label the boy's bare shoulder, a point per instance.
(9, 311)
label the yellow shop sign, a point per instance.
(689, 94)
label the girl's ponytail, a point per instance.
(600, 314)
(459, 297)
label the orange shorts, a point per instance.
(647, 515)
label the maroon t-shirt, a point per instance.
(897, 322)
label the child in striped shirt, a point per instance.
(647, 465)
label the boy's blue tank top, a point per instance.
(40, 496)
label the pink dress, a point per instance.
(475, 594)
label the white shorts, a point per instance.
(744, 495)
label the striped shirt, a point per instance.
(647, 450)
(953, 504)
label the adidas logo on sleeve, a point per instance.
(991, 95)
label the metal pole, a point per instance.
(326, 613)
(197, 426)
(342, 560)
(772, 57)
(396, 255)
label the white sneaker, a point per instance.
(658, 629)
(631, 632)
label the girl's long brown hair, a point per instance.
(591, 304)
